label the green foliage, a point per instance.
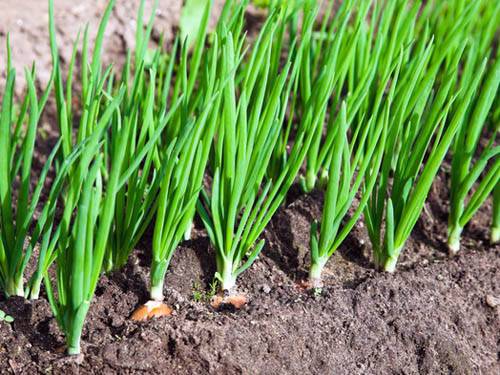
(464, 172)
(241, 201)
(184, 153)
(93, 121)
(192, 19)
(352, 165)
(78, 243)
(475, 172)
(5, 317)
(197, 292)
(333, 54)
(420, 133)
(371, 94)
(135, 200)
(18, 130)
(201, 295)
(262, 3)
(350, 151)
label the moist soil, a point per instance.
(430, 317)
(433, 316)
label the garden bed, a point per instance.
(434, 315)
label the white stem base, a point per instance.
(34, 288)
(323, 179)
(157, 292)
(74, 350)
(15, 288)
(187, 233)
(390, 265)
(454, 240)
(308, 182)
(228, 281)
(315, 279)
(495, 234)
(453, 247)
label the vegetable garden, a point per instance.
(210, 180)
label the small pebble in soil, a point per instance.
(492, 301)
(117, 321)
(192, 315)
(266, 289)
(440, 277)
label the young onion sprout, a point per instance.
(419, 137)
(79, 242)
(18, 131)
(464, 171)
(240, 202)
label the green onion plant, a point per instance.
(83, 237)
(354, 166)
(362, 52)
(420, 135)
(465, 171)
(333, 46)
(93, 82)
(135, 201)
(78, 243)
(351, 152)
(242, 200)
(19, 194)
(184, 149)
(184, 161)
(472, 168)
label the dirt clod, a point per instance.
(492, 301)
(150, 310)
(221, 301)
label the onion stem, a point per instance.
(228, 282)
(454, 239)
(187, 233)
(158, 271)
(309, 182)
(156, 292)
(315, 272)
(74, 326)
(495, 234)
(34, 291)
(14, 287)
(389, 264)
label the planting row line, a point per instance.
(364, 101)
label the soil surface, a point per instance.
(26, 22)
(433, 316)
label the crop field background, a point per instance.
(436, 314)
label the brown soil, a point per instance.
(430, 317)
(27, 23)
